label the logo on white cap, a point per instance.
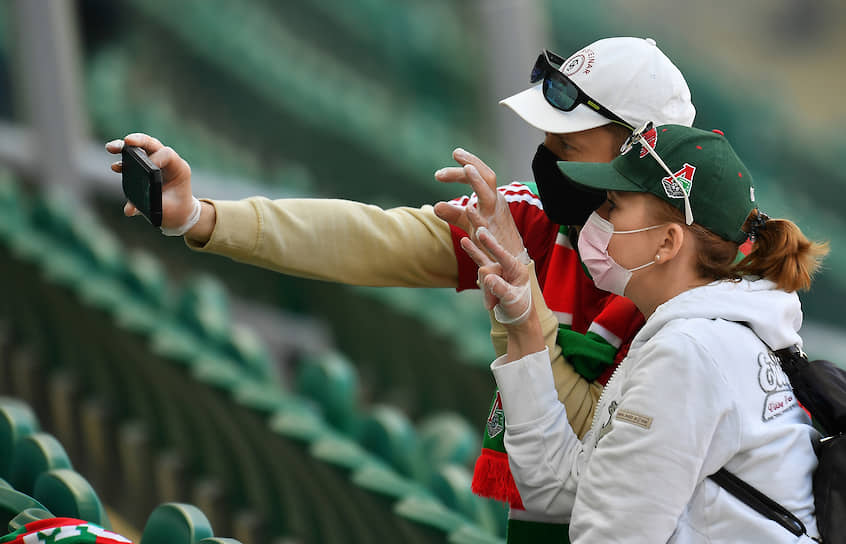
(583, 59)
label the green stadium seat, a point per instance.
(35, 454)
(176, 523)
(451, 484)
(204, 308)
(67, 494)
(182, 343)
(147, 279)
(332, 382)
(98, 247)
(387, 483)
(299, 480)
(205, 386)
(245, 347)
(237, 409)
(387, 432)
(17, 420)
(11, 199)
(371, 518)
(175, 355)
(415, 380)
(13, 503)
(448, 438)
(27, 248)
(63, 270)
(227, 451)
(470, 534)
(427, 520)
(117, 365)
(53, 212)
(382, 489)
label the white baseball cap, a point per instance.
(629, 76)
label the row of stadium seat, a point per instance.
(437, 452)
(420, 50)
(330, 379)
(439, 312)
(427, 316)
(116, 110)
(289, 94)
(76, 252)
(417, 348)
(219, 420)
(37, 481)
(201, 309)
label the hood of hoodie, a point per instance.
(775, 315)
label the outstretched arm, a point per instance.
(333, 240)
(336, 240)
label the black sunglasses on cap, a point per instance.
(560, 91)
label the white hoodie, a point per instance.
(698, 391)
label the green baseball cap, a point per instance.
(718, 185)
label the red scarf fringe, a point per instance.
(492, 478)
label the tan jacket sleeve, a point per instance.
(578, 395)
(336, 240)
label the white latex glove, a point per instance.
(505, 280)
(490, 203)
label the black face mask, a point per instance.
(564, 202)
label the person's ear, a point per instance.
(671, 243)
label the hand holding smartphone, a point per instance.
(142, 183)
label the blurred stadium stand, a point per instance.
(292, 410)
(37, 481)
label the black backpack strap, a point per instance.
(758, 501)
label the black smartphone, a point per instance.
(142, 183)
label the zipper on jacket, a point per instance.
(602, 395)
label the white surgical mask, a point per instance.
(593, 249)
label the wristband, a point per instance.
(502, 317)
(192, 220)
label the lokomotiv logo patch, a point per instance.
(496, 419)
(684, 179)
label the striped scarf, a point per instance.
(64, 531)
(591, 355)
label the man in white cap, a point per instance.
(587, 105)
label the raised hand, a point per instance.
(177, 198)
(493, 210)
(504, 279)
